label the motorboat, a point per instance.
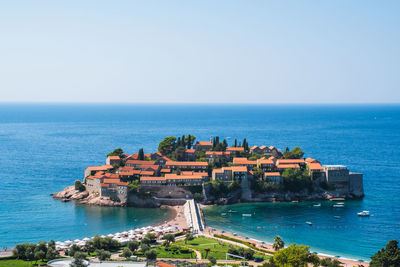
(246, 214)
(336, 217)
(317, 205)
(223, 214)
(309, 223)
(338, 206)
(363, 213)
(232, 211)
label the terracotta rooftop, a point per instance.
(288, 166)
(290, 161)
(236, 168)
(232, 149)
(114, 157)
(265, 161)
(186, 163)
(218, 153)
(272, 174)
(100, 168)
(190, 150)
(244, 161)
(203, 143)
(314, 166)
(140, 162)
(152, 178)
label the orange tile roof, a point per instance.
(105, 185)
(244, 161)
(203, 143)
(190, 150)
(265, 161)
(111, 181)
(174, 176)
(272, 174)
(122, 183)
(290, 161)
(140, 162)
(271, 147)
(147, 173)
(114, 157)
(218, 171)
(165, 170)
(239, 148)
(253, 147)
(288, 166)
(218, 153)
(263, 147)
(236, 168)
(100, 168)
(111, 175)
(186, 163)
(314, 166)
(310, 160)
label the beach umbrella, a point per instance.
(86, 239)
(102, 236)
(68, 242)
(110, 235)
(77, 241)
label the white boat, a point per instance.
(317, 205)
(363, 213)
(246, 214)
(223, 214)
(338, 206)
(309, 223)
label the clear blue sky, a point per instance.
(336, 51)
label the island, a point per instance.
(211, 172)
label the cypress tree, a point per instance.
(141, 154)
(183, 141)
(189, 144)
(235, 143)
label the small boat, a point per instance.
(336, 217)
(223, 214)
(363, 213)
(317, 205)
(340, 203)
(232, 211)
(246, 215)
(338, 206)
(295, 201)
(309, 223)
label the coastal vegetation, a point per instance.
(388, 256)
(295, 153)
(41, 251)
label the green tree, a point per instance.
(51, 253)
(198, 197)
(296, 180)
(258, 172)
(388, 256)
(144, 247)
(117, 152)
(212, 260)
(328, 262)
(141, 154)
(126, 253)
(278, 243)
(79, 260)
(188, 237)
(189, 140)
(152, 237)
(103, 254)
(235, 145)
(151, 254)
(293, 255)
(296, 153)
(133, 245)
(167, 145)
(79, 186)
(169, 238)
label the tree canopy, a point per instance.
(117, 152)
(295, 153)
(293, 255)
(388, 256)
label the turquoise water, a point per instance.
(44, 148)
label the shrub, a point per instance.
(79, 186)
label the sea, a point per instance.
(46, 147)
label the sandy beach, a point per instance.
(268, 246)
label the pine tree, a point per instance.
(235, 143)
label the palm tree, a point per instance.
(278, 243)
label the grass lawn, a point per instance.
(19, 263)
(217, 248)
(163, 253)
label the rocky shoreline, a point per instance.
(71, 194)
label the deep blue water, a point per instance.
(45, 147)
